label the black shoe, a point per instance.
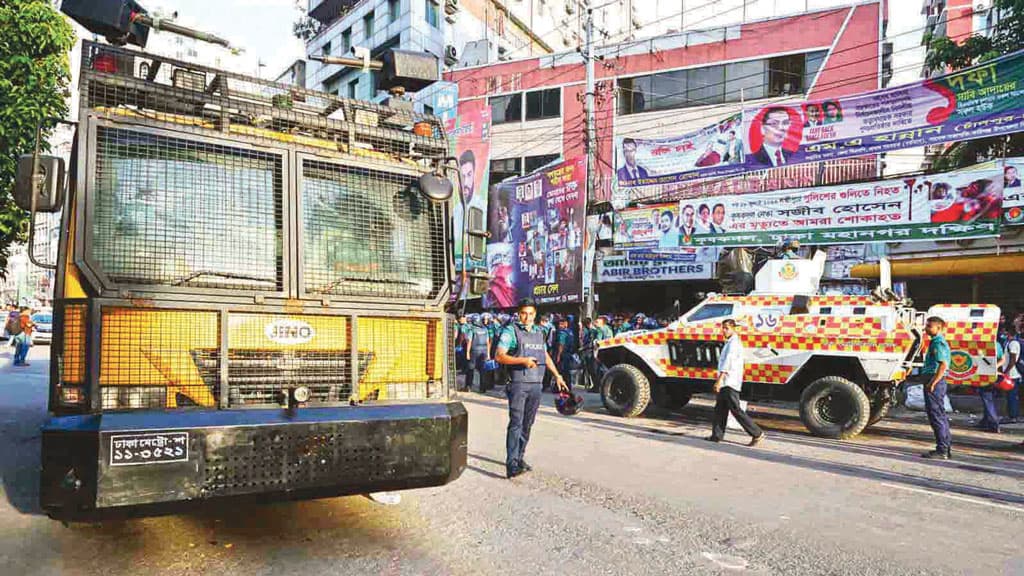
(712, 439)
(936, 455)
(513, 471)
(526, 467)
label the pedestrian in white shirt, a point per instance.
(728, 387)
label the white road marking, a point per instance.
(955, 497)
(726, 561)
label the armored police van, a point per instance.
(249, 294)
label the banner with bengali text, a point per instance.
(981, 101)
(956, 205)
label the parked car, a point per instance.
(44, 327)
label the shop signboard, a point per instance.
(625, 267)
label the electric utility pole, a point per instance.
(591, 146)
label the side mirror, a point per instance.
(477, 234)
(435, 187)
(46, 188)
(478, 282)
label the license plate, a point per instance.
(152, 448)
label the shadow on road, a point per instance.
(23, 393)
(852, 470)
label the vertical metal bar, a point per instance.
(92, 363)
(353, 349)
(223, 351)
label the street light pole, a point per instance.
(591, 147)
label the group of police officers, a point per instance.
(570, 345)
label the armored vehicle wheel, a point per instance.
(625, 391)
(879, 409)
(834, 407)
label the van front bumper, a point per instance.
(153, 462)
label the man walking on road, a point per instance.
(728, 387)
(521, 347)
(933, 378)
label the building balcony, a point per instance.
(327, 11)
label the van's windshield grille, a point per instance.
(369, 233)
(177, 212)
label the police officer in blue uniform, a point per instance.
(933, 377)
(522, 348)
(479, 352)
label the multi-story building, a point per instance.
(674, 84)
(377, 25)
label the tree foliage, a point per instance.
(35, 42)
(1006, 36)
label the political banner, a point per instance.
(536, 240)
(957, 205)
(623, 267)
(469, 132)
(1013, 193)
(980, 101)
(713, 151)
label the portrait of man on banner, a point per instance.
(775, 136)
(630, 170)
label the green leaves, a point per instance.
(34, 76)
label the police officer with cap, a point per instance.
(522, 348)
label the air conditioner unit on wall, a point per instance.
(451, 55)
(451, 7)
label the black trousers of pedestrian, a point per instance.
(729, 401)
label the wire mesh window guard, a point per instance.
(369, 233)
(176, 212)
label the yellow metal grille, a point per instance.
(146, 358)
(172, 358)
(407, 359)
(73, 344)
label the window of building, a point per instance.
(368, 27)
(353, 88)
(744, 81)
(705, 85)
(504, 168)
(346, 41)
(507, 108)
(394, 10)
(432, 14)
(543, 104)
(734, 82)
(326, 50)
(786, 75)
(812, 63)
(531, 163)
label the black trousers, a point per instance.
(729, 401)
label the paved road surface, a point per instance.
(608, 496)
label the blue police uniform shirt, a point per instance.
(938, 351)
(507, 339)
